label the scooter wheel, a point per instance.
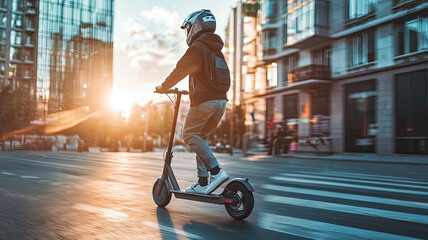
(244, 198)
(161, 193)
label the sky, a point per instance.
(148, 42)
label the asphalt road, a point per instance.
(62, 195)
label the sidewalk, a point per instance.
(355, 157)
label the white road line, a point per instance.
(50, 163)
(353, 180)
(359, 176)
(29, 177)
(347, 196)
(349, 185)
(400, 216)
(8, 173)
(171, 230)
(320, 230)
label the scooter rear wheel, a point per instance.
(244, 199)
(161, 193)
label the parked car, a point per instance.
(220, 148)
(179, 148)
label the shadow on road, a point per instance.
(166, 227)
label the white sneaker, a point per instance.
(197, 188)
(216, 181)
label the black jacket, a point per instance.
(192, 63)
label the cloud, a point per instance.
(154, 43)
(160, 15)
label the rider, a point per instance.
(207, 106)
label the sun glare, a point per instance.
(122, 102)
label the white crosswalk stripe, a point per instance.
(373, 212)
(371, 206)
(355, 180)
(350, 185)
(320, 230)
(348, 196)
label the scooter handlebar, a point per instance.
(172, 90)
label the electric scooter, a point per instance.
(237, 196)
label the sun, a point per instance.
(122, 102)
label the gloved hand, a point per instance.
(159, 89)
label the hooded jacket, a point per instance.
(193, 63)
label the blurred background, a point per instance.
(307, 76)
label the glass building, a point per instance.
(75, 51)
(54, 55)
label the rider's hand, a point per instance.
(159, 88)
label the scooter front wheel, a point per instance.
(161, 193)
(244, 201)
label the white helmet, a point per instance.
(197, 23)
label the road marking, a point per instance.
(29, 177)
(8, 173)
(320, 182)
(371, 177)
(347, 196)
(171, 230)
(320, 230)
(400, 216)
(110, 214)
(50, 163)
(353, 180)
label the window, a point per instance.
(320, 113)
(412, 36)
(360, 116)
(361, 49)
(28, 39)
(284, 34)
(30, 5)
(29, 24)
(16, 37)
(359, 8)
(321, 56)
(3, 36)
(28, 56)
(15, 53)
(16, 20)
(290, 63)
(269, 41)
(290, 107)
(27, 71)
(18, 5)
(3, 19)
(2, 51)
(269, 11)
(284, 7)
(12, 69)
(411, 112)
(300, 23)
(2, 68)
(3, 3)
(271, 75)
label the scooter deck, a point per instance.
(210, 198)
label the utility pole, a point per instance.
(146, 116)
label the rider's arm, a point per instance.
(188, 64)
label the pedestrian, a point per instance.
(280, 140)
(294, 144)
(209, 81)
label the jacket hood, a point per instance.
(212, 40)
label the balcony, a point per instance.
(310, 72)
(407, 4)
(269, 51)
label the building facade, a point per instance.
(54, 56)
(340, 75)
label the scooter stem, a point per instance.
(174, 124)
